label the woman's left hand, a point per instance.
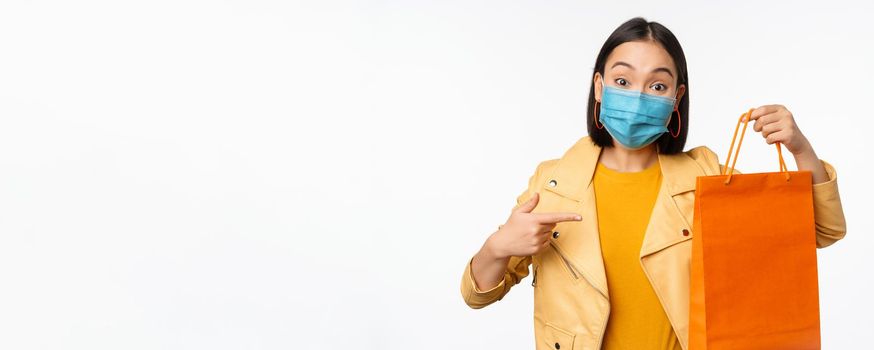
(776, 124)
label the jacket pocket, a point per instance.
(556, 338)
(567, 264)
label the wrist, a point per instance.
(806, 153)
(490, 249)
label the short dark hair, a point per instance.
(639, 29)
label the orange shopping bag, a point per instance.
(754, 278)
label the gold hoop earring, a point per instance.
(679, 123)
(595, 113)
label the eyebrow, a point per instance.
(659, 69)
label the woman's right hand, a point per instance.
(526, 233)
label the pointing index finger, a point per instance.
(552, 218)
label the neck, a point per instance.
(624, 159)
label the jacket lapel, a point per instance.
(573, 174)
(669, 214)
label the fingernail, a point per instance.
(578, 217)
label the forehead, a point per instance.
(642, 55)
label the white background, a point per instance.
(274, 175)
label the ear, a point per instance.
(680, 91)
(597, 81)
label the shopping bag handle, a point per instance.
(745, 119)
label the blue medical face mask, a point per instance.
(633, 118)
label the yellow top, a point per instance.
(624, 202)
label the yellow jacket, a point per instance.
(571, 304)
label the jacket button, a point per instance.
(552, 183)
(557, 346)
(685, 232)
(555, 234)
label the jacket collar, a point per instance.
(576, 168)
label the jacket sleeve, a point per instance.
(516, 270)
(828, 213)
(831, 226)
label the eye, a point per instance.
(658, 87)
(621, 81)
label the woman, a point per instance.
(606, 212)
